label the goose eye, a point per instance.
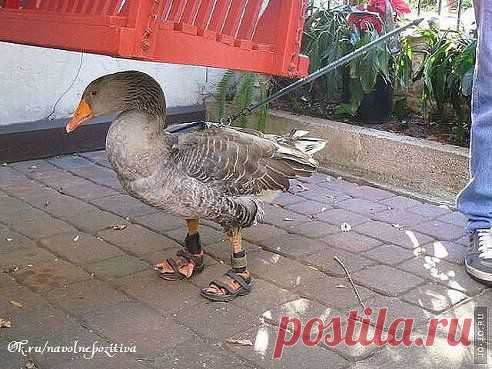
(93, 93)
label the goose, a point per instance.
(193, 170)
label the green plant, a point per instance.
(242, 92)
(447, 73)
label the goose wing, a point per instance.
(240, 161)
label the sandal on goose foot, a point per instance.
(181, 266)
(230, 286)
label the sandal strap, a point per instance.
(173, 264)
(243, 282)
(196, 259)
(223, 285)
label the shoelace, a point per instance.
(485, 243)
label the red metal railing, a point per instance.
(234, 34)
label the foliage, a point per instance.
(447, 73)
(328, 36)
(242, 90)
(447, 76)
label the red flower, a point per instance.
(364, 22)
(379, 6)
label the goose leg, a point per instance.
(188, 260)
(237, 281)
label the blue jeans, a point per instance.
(475, 201)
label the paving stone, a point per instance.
(357, 351)
(70, 162)
(159, 256)
(390, 254)
(32, 165)
(449, 251)
(24, 257)
(400, 202)
(272, 267)
(465, 311)
(351, 241)
(430, 210)
(316, 178)
(283, 218)
(308, 207)
(208, 235)
(325, 196)
(96, 156)
(120, 361)
(85, 296)
(63, 206)
(222, 250)
(440, 230)
(440, 271)
(208, 319)
(101, 175)
(339, 185)
(302, 309)
(401, 217)
(37, 195)
(293, 245)
(160, 222)
(439, 355)
(324, 260)
(89, 191)
(210, 273)
(264, 297)
(163, 296)
(12, 241)
(134, 324)
(36, 224)
(393, 235)
(285, 198)
(361, 206)
(297, 356)
(58, 179)
(12, 295)
(48, 275)
(333, 292)
(387, 280)
(370, 193)
(137, 239)
(261, 232)
(124, 206)
(434, 297)
(10, 206)
(339, 216)
(41, 324)
(94, 221)
(395, 309)
(80, 248)
(314, 229)
(117, 267)
(455, 218)
(197, 354)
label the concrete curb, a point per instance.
(417, 166)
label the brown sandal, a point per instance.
(245, 287)
(185, 258)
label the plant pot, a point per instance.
(377, 106)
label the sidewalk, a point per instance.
(76, 256)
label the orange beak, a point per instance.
(82, 114)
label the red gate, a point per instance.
(251, 35)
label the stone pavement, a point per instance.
(76, 256)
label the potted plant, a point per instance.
(366, 85)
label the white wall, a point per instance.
(32, 79)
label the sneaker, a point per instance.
(478, 261)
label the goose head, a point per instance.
(118, 93)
